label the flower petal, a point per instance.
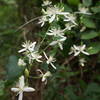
(52, 19)
(76, 47)
(28, 89)
(15, 89)
(77, 53)
(22, 50)
(83, 47)
(53, 65)
(21, 82)
(63, 39)
(53, 43)
(20, 96)
(45, 55)
(86, 53)
(60, 45)
(50, 33)
(43, 79)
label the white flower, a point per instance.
(34, 56)
(30, 51)
(70, 18)
(59, 42)
(21, 62)
(69, 26)
(83, 29)
(84, 10)
(42, 20)
(50, 60)
(52, 13)
(44, 76)
(78, 49)
(22, 88)
(27, 47)
(82, 62)
(55, 32)
(46, 3)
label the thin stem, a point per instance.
(28, 23)
(43, 40)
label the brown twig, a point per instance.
(68, 60)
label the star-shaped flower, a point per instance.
(78, 49)
(34, 56)
(50, 60)
(70, 18)
(55, 32)
(43, 20)
(22, 88)
(53, 12)
(44, 76)
(59, 42)
(84, 10)
(69, 26)
(27, 47)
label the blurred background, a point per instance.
(70, 86)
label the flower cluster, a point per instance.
(31, 52)
(29, 49)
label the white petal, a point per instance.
(47, 74)
(53, 66)
(52, 19)
(63, 13)
(66, 20)
(53, 43)
(74, 22)
(21, 82)
(20, 96)
(45, 55)
(70, 52)
(77, 53)
(83, 47)
(76, 47)
(86, 53)
(39, 56)
(22, 50)
(39, 60)
(43, 79)
(60, 45)
(63, 38)
(42, 24)
(15, 89)
(50, 33)
(28, 89)
(33, 44)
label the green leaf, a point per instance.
(96, 9)
(88, 22)
(89, 35)
(92, 88)
(73, 2)
(1, 88)
(70, 93)
(13, 70)
(87, 2)
(94, 48)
